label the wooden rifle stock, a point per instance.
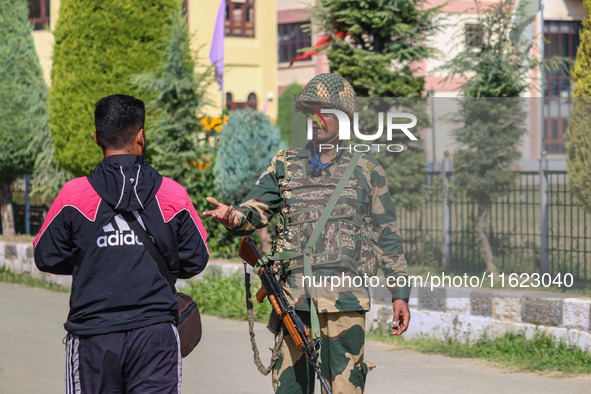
(291, 328)
(248, 251)
(261, 294)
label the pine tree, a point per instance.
(48, 177)
(247, 144)
(579, 139)
(98, 45)
(179, 145)
(23, 101)
(491, 115)
(378, 44)
(179, 95)
(382, 39)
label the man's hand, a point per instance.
(222, 213)
(401, 317)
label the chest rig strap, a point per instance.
(315, 325)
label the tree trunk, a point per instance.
(6, 210)
(484, 244)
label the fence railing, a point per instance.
(536, 227)
(27, 219)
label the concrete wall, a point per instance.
(466, 315)
(18, 258)
(462, 314)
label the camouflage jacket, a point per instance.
(266, 200)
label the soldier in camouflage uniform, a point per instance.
(360, 236)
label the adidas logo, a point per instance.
(123, 236)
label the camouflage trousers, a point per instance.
(343, 365)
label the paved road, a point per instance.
(32, 357)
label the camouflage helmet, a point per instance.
(328, 91)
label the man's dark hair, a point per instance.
(117, 119)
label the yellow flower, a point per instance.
(202, 165)
(205, 122)
(213, 123)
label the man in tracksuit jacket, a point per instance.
(121, 325)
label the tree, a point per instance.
(382, 39)
(98, 45)
(23, 101)
(374, 45)
(179, 145)
(179, 94)
(579, 139)
(48, 177)
(284, 113)
(248, 143)
(491, 113)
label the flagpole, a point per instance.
(543, 124)
(216, 53)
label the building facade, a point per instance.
(250, 77)
(557, 21)
(295, 35)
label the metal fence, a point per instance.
(28, 218)
(536, 227)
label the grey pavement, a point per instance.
(32, 358)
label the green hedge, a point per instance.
(98, 45)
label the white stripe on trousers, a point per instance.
(73, 385)
(72, 364)
(180, 360)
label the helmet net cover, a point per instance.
(328, 91)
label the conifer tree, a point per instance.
(374, 45)
(23, 102)
(179, 94)
(579, 138)
(247, 144)
(491, 116)
(99, 44)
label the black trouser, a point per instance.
(144, 360)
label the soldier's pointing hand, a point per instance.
(222, 213)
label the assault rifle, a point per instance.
(272, 290)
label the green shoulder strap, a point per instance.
(315, 325)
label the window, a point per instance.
(240, 18)
(232, 105)
(474, 35)
(39, 13)
(292, 37)
(562, 39)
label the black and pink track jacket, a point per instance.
(116, 285)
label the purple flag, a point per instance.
(216, 54)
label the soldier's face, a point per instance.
(327, 129)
